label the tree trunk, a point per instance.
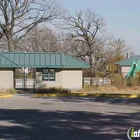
(94, 70)
(10, 42)
(91, 68)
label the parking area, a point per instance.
(67, 118)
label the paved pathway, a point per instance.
(67, 118)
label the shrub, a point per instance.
(101, 88)
(88, 73)
(133, 81)
(8, 91)
(12, 91)
(118, 80)
(52, 90)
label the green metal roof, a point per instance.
(129, 61)
(40, 60)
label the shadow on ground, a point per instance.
(39, 125)
(109, 100)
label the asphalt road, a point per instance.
(67, 118)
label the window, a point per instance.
(48, 75)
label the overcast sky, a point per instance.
(122, 17)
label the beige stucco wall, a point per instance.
(6, 79)
(71, 79)
(125, 70)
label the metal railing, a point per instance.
(99, 81)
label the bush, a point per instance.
(12, 91)
(52, 90)
(88, 73)
(8, 91)
(133, 81)
(101, 88)
(118, 81)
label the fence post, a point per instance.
(14, 75)
(24, 79)
(111, 78)
(121, 80)
(34, 77)
(91, 81)
(83, 83)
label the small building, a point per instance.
(40, 70)
(125, 65)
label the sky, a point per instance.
(122, 17)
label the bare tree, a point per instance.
(115, 51)
(86, 30)
(18, 17)
(3, 44)
(42, 40)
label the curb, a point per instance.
(6, 96)
(89, 94)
